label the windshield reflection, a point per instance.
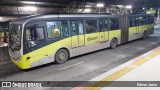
(15, 37)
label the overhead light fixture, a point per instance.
(27, 2)
(100, 5)
(1, 19)
(119, 6)
(143, 8)
(87, 10)
(87, 5)
(128, 7)
(30, 8)
(79, 10)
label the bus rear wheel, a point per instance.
(145, 35)
(61, 56)
(113, 43)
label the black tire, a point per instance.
(61, 56)
(113, 43)
(145, 35)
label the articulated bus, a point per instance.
(42, 39)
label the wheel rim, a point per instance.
(114, 43)
(145, 35)
(62, 56)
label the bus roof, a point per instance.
(34, 17)
(56, 16)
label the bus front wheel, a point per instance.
(61, 56)
(113, 43)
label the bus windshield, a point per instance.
(15, 37)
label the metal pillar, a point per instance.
(158, 18)
(107, 9)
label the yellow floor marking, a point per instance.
(143, 60)
(157, 49)
(110, 78)
(123, 71)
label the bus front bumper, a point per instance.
(22, 64)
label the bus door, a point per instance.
(137, 23)
(103, 30)
(77, 32)
(141, 27)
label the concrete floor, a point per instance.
(84, 67)
(147, 71)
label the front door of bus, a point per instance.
(77, 32)
(103, 27)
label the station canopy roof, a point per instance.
(18, 7)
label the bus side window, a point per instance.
(106, 25)
(63, 26)
(80, 27)
(91, 26)
(103, 25)
(145, 20)
(114, 24)
(34, 35)
(140, 20)
(73, 28)
(132, 22)
(101, 29)
(76, 27)
(148, 20)
(151, 19)
(57, 29)
(52, 29)
(136, 21)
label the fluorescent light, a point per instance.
(128, 6)
(100, 5)
(79, 10)
(120, 6)
(87, 5)
(30, 8)
(27, 2)
(1, 19)
(87, 10)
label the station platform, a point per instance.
(140, 73)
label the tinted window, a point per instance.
(74, 30)
(91, 26)
(80, 27)
(57, 29)
(103, 25)
(147, 20)
(152, 19)
(34, 35)
(15, 37)
(76, 27)
(136, 21)
(131, 21)
(143, 20)
(114, 24)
